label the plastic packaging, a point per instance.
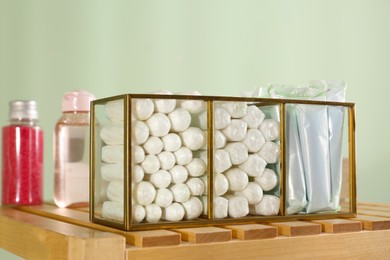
(22, 155)
(71, 151)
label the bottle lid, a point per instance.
(23, 109)
(78, 100)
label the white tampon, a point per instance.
(268, 180)
(238, 179)
(180, 120)
(151, 164)
(138, 154)
(219, 140)
(270, 152)
(221, 161)
(164, 105)
(179, 174)
(112, 153)
(270, 129)
(221, 207)
(192, 208)
(164, 198)
(114, 110)
(112, 171)
(137, 174)
(205, 136)
(140, 132)
(153, 145)
(171, 142)
(222, 118)
(196, 186)
(238, 206)
(112, 133)
(193, 106)
(254, 140)
(205, 179)
(236, 130)
(183, 156)
(144, 193)
(115, 191)
(181, 192)
(174, 212)
(253, 192)
(204, 201)
(200, 120)
(238, 153)
(143, 108)
(113, 210)
(159, 124)
(161, 179)
(268, 206)
(196, 167)
(138, 213)
(221, 184)
(153, 213)
(236, 109)
(254, 166)
(254, 117)
(167, 160)
(193, 138)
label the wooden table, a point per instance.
(47, 232)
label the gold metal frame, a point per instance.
(209, 219)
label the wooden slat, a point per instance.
(154, 238)
(373, 223)
(339, 225)
(253, 231)
(205, 234)
(297, 228)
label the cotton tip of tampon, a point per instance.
(171, 142)
(159, 124)
(174, 212)
(144, 193)
(112, 133)
(183, 156)
(113, 210)
(205, 179)
(161, 179)
(270, 152)
(238, 153)
(236, 130)
(268, 206)
(254, 117)
(164, 198)
(151, 164)
(114, 110)
(153, 145)
(138, 213)
(270, 129)
(181, 192)
(180, 120)
(193, 138)
(143, 108)
(138, 154)
(254, 140)
(199, 120)
(221, 207)
(238, 179)
(112, 153)
(115, 191)
(204, 200)
(137, 174)
(254, 166)
(253, 192)
(179, 174)
(164, 105)
(221, 161)
(196, 167)
(192, 208)
(196, 186)
(112, 171)
(221, 184)
(219, 140)
(167, 160)
(140, 132)
(236, 109)
(222, 118)
(193, 106)
(153, 213)
(268, 180)
(238, 206)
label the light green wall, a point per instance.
(216, 47)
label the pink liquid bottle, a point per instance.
(71, 151)
(22, 155)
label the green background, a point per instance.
(216, 47)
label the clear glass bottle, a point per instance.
(71, 151)
(22, 156)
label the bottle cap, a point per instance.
(78, 100)
(23, 109)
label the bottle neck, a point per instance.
(24, 121)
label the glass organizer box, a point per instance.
(169, 161)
